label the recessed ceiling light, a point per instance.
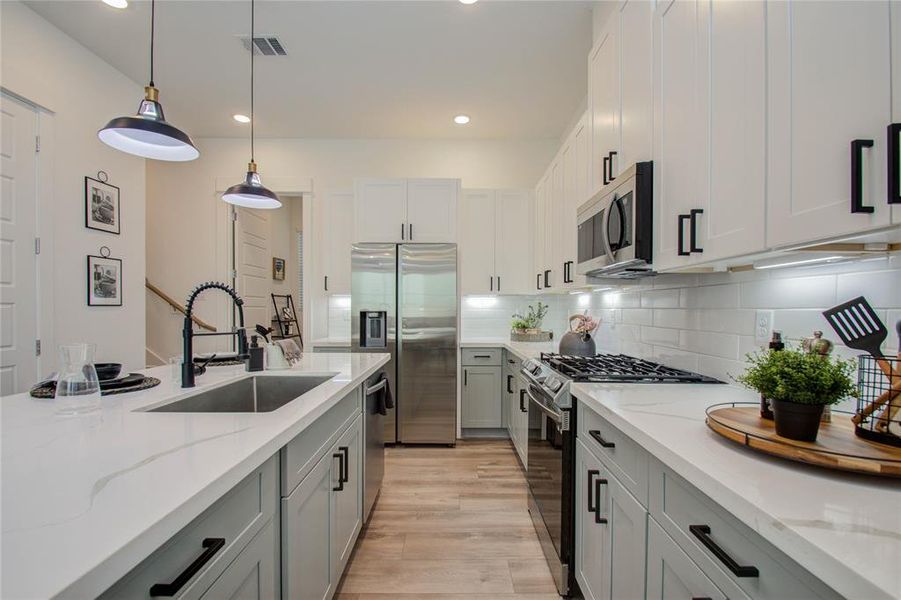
(116, 3)
(468, 1)
(461, 119)
(241, 118)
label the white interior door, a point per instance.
(18, 262)
(253, 265)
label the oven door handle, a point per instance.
(556, 417)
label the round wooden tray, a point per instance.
(836, 447)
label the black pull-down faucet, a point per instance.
(187, 365)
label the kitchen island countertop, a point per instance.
(843, 528)
(85, 499)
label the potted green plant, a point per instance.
(531, 321)
(799, 385)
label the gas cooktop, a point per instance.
(618, 368)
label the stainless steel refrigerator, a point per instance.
(404, 301)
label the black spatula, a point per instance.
(860, 328)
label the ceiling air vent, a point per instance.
(266, 45)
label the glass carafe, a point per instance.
(77, 389)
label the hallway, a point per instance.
(450, 524)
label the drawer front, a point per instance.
(482, 356)
(672, 574)
(303, 452)
(714, 539)
(254, 574)
(627, 460)
(512, 362)
(235, 518)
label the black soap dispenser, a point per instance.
(255, 362)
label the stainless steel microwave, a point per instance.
(616, 227)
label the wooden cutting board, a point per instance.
(837, 447)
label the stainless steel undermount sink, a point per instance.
(254, 394)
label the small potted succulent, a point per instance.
(528, 327)
(799, 385)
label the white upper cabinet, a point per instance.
(477, 241)
(496, 242)
(554, 209)
(636, 83)
(604, 105)
(513, 246)
(830, 78)
(710, 128)
(380, 210)
(896, 96)
(405, 210)
(432, 210)
(539, 226)
(574, 161)
(337, 237)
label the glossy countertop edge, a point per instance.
(817, 557)
(89, 578)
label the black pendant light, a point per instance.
(148, 134)
(251, 193)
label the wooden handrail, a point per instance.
(171, 302)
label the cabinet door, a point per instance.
(539, 227)
(348, 501)
(896, 90)
(553, 241)
(574, 158)
(680, 109)
(253, 575)
(477, 242)
(636, 77)
(380, 210)
(432, 210)
(628, 539)
(603, 103)
(481, 397)
(521, 423)
(337, 237)
(829, 83)
(672, 575)
(593, 562)
(513, 242)
(308, 569)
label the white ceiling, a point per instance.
(372, 69)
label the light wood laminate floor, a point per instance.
(450, 524)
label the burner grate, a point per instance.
(607, 368)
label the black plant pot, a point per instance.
(797, 421)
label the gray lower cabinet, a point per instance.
(672, 575)
(611, 528)
(253, 575)
(520, 420)
(321, 519)
(481, 397)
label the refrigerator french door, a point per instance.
(415, 286)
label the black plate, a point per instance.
(126, 381)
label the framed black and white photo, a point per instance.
(104, 281)
(278, 268)
(101, 206)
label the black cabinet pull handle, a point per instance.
(857, 147)
(498, 283)
(701, 598)
(566, 272)
(681, 238)
(592, 473)
(538, 282)
(597, 501)
(403, 232)
(606, 162)
(466, 376)
(167, 590)
(492, 283)
(411, 232)
(345, 463)
(547, 275)
(340, 486)
(611, 154)
(597, 437)
(894, 163)
(693, 240)
(522, 398)
(702, 532)
(326, 283)
(481, 356)
(509, 383)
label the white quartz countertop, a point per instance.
(85, 499)
(524, 350)
(843, 528)
(331, 342)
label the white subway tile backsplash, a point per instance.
(803, 292)
(660, 336)
(637, 316)
(710, 296)
(881, 288)
(724, 345)
(723, 369)
(660, 299)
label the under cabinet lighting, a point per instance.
(461, 119)
(795, 260)
(468, 1)
(584, 300)
(481, 301)
(116, 3)
(241, 118)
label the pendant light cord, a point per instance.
(252, 23)
(152, 24)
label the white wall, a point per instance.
(187, 225)
(40, 63)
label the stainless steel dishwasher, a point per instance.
(373, 441)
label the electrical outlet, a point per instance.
(763, 327)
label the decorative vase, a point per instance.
(577, 344)
(797, 421)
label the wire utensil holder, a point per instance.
(878, 415)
